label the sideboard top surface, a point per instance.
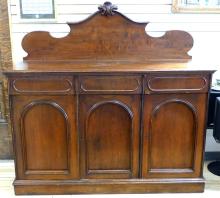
(108, 66)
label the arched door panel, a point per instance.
(172, 126)
(40, 135)
(109, 129)
(46, 132)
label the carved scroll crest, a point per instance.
(107, 9)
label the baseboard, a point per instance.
(51, 187)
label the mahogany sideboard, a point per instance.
(108, 109)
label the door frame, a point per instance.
(5, 64)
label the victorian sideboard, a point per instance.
(108, 109)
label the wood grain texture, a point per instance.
(103, 119)
(164, 154)
(111, 187)
(172, 134)
(55, 85)
(107, 37)
(39, 156)
(176, 83)
(125, 125)
(111, 136)
(110, 84)
(5, 64)
(46, 137)
(5, 52)
(132, 65)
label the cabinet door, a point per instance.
(109, 129)
(173, 135)
(45, 137)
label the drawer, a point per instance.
(41, 85)
(176, 83)
(110, 84)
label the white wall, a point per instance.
(205, 28)
(211, 145)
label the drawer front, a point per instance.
(44, 85)
(176, 83)
(110, 84)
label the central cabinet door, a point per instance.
(109, 130)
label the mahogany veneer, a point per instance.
(108, 109)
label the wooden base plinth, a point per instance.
(48, 187)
